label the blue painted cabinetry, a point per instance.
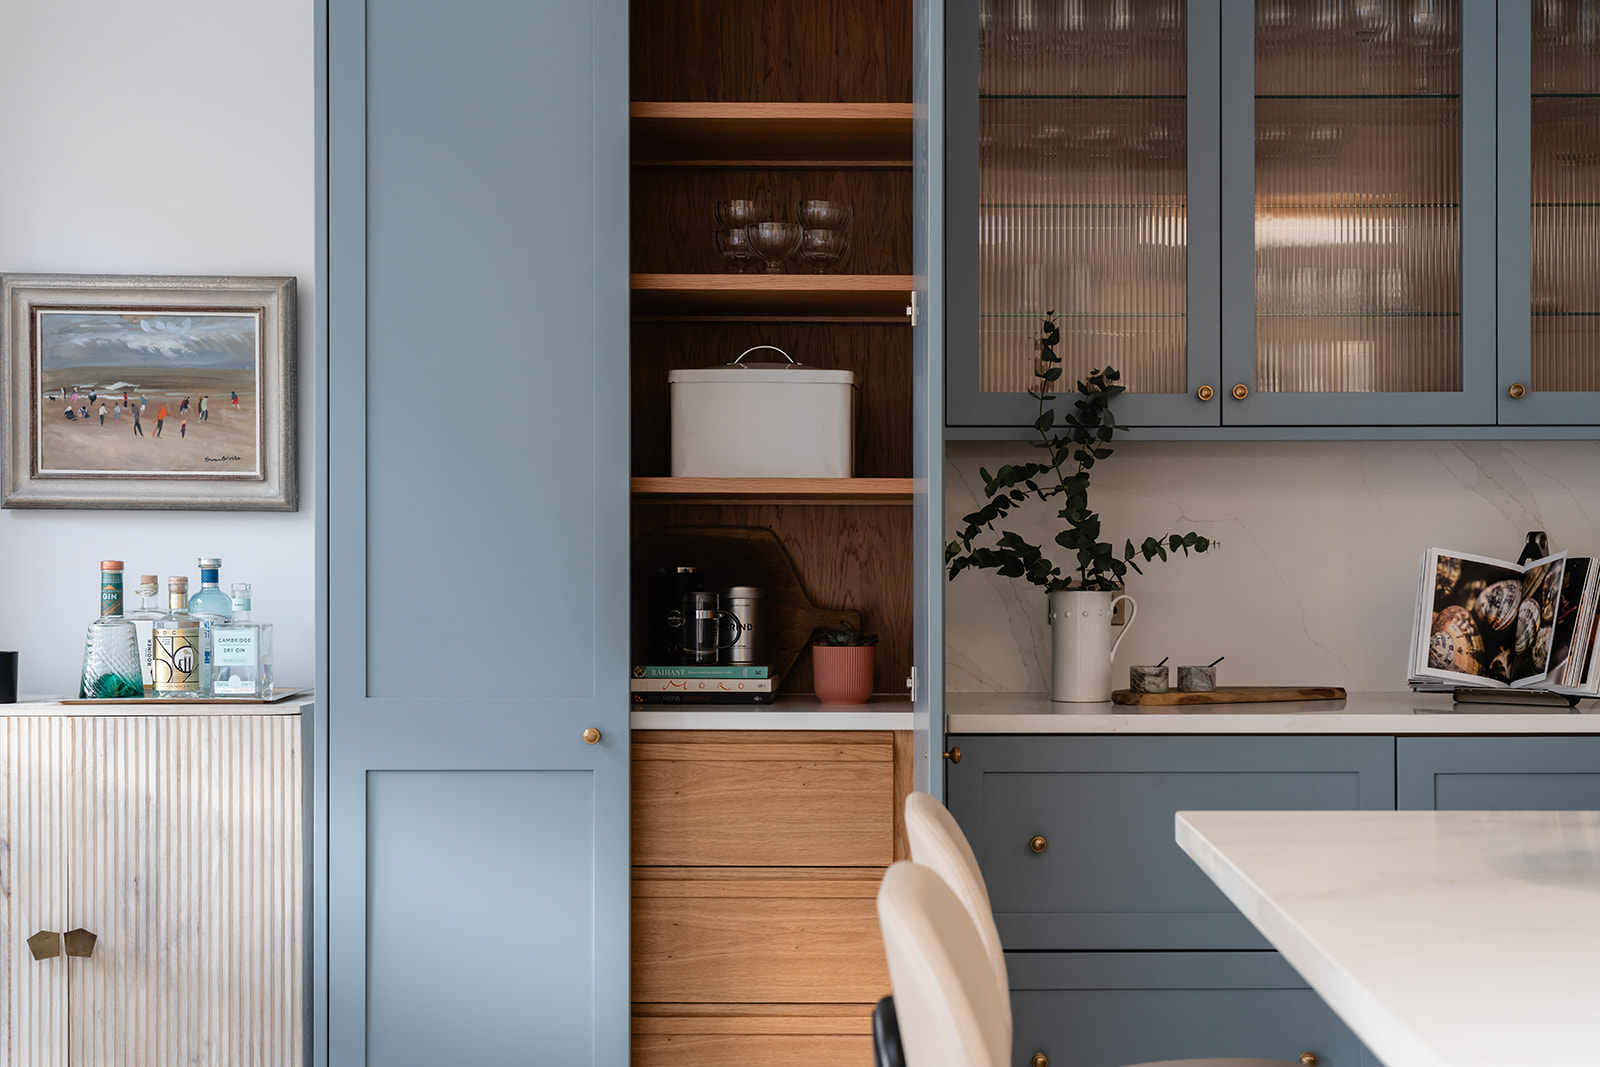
(1498, 773)
(474, 495)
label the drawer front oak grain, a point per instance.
(769, 799)
(1110, 876)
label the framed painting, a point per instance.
(148, 392)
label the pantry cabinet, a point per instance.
(1352, 219)
(176, 842)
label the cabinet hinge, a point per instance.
(911, 684)
(911, 308)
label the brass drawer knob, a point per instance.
(1517, 391)
(1038, 844)
(591, 736)
(954, 755)
(1039, 1060)
(1241, 391)
(1205, 392)
(44, 945)
(80, 942)
(1308, 1059)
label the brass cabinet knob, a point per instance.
(591, 736)
(44, 945)
(1039, 1060)
(1241, 391)
(80, 942)
(1205, 392)
(954, 755)
(1517, 391)
(1308, 1059)
(1038, 844)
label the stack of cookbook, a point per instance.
(1489, 623)
(703, 685)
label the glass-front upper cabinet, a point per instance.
(1358, 212)
(1550, 212)
(1082, 178)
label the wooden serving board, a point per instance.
(1238, 694)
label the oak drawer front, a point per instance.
(800, 800)
(744, 1050)
(752, 936)
(1111, 876)
(1499, 773)
(1104, 1009)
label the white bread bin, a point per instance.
(763, 420)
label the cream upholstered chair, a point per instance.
(938, 844)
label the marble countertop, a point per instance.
(1360, 713)
(786, 713)
(287, 706)
(1443, 939)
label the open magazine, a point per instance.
(1492, 623)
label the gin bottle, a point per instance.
(143, 618)
(210, 605)
(241, 652)
(111, 648)
(176, 661)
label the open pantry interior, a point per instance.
(795, 100)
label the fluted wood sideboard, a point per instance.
(175, 840)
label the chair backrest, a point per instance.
(937, 842)
(950, 1012)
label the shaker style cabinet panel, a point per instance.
(172, 844)
(1075, 834)
(1105, 1009)
(476, 442)
(1498, 773)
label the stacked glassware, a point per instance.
(746, 234)
(824, 231)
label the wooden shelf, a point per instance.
(845, 297)
(771, 134)
(777, 490)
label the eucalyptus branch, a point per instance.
(1082, 440)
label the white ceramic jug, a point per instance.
(1080, 640)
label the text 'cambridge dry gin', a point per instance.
(241, 652)
(177, 662)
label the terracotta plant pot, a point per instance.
(843, 675)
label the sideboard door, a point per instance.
(34, 752)
(184, 862)
(475, 497)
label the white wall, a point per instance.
(157, 137)
(1315, 575)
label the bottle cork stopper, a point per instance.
(111, 564)
(147, 579)
(178, 581)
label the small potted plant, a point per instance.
(1083, 597)
(841, 666)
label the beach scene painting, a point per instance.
(130, 392)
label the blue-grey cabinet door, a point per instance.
(1075, 834)
(1498, 773)
(1082, 178)
(1358, 178)
(476, 417)
(1549, 214)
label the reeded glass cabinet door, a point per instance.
(1082, 179)
(1550, 212)
(1358, 176)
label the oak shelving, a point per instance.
(848, 296)
(769, 134)
(780, 490)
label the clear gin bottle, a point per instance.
(111, 647)
(241, 652)
(143, 618)
(177, 664)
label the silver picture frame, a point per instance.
(131, 338)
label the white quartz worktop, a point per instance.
(1360, 713)
(786, 713)
(1443, 939)
(288, 706)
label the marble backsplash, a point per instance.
(1314, 577)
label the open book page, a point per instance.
(1489, 621)
(1569, 644)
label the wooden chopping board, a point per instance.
(1238, 694)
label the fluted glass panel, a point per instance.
(1082, 128)
(1358, 196)
(1565, 286)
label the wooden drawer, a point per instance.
(732, 1035)
(735, 935)
(1111, 876)
(724, 799)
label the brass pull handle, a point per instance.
(1517, 391)
(591, 736)
(80, 942)
(1038, 844)
(954, 755)
(1205, 392)
(1241, 391)
(1039, 1060)
(46, 944)
(1308, 1059)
